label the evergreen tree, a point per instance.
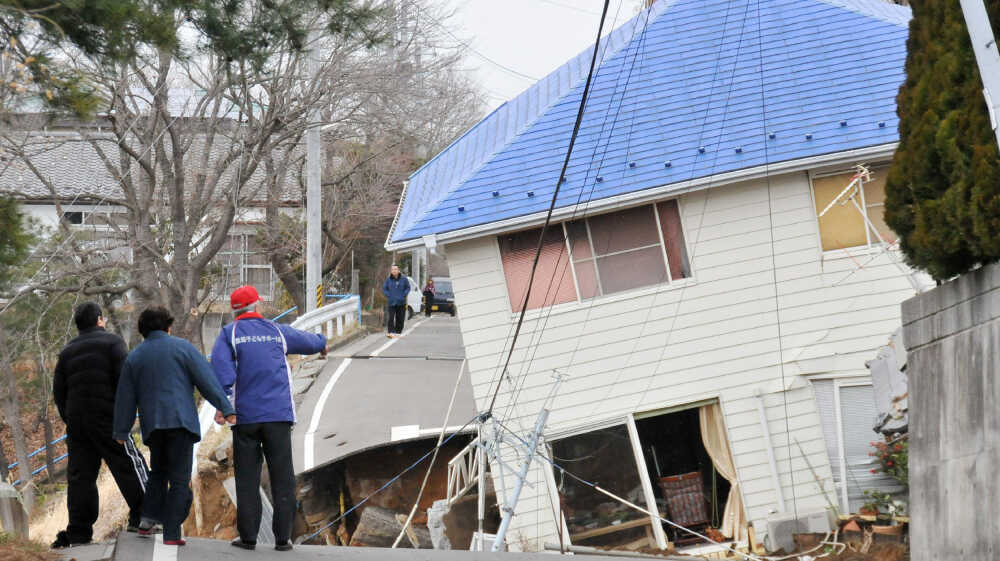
(14, 239)
(943, 189)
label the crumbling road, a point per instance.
(379, 390)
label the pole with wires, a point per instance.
(508, 510)
(314, 198)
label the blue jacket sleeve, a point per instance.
(223, 363)
(204, 379)
(385, 287)
(302, 342)
(125, 404)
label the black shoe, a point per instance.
(283, 546)
(63, 540)
(238, 542)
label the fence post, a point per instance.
(340, 325)
(13, 519)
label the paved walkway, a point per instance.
(131, 547)
(379, 390)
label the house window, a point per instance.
(844, 225)
(242, 261)
(553, 282)
(610, 253)
(632, 248)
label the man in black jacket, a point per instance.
(86, 379)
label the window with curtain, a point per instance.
(603, 254)
(631, 248)
(553, 283)
(843, 225)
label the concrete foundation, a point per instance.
(953, 336)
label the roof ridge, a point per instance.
(575, 71)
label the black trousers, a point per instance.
(428, 302)
(397, 314)
(252, 443)
(89, 442)
(168, 495)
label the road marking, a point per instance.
(379, 350)
(308, 451)
(163, 552)
(308, 441)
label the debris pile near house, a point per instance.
(327, 492)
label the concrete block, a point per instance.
(991, 384)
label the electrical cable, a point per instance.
(774, 265)
(444, 428)
(395, 478)
(535, 343)
(555, 195)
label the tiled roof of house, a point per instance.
(677, 96)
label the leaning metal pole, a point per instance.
(984, 46)
(508, 510)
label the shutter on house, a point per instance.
(553, 282)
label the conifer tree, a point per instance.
(943, 189)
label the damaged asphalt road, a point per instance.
(379, 390)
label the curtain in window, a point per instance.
(673, 238)
(713, 436)
(553, 282)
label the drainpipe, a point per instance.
(770, 450)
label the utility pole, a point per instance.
(314, 199)
(984, 45)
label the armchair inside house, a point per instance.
(687, 505)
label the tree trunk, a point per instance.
(50, 456)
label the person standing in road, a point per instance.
(428, 296)
(249, 363)
(396, 288)
(158, 378)
(83, 387)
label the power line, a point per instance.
(555, 196)
(469, 47)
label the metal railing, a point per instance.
(463, 472)
(331, 318)
(55, 460)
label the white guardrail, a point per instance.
(331, 318)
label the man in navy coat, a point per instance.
(396, 288)
(158, 378)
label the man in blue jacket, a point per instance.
(159, 378)
(249, 362)
(396, 288)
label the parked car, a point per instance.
(414, 300)
(444, 296)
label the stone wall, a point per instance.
(952, 335)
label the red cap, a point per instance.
(243, 297)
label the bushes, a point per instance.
(943, 189)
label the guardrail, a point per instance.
(331, 318)
(55, 460)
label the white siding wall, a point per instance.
(716, 335)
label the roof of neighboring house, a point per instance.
(677, 96)
(76, 172)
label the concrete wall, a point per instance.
(952, 335)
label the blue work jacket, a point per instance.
(159, 378)
(396, 290)
(249, 362)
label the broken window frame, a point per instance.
(871, 240)
(639, 457)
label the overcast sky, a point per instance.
(512, 43)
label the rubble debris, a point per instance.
(436, 526)
(378, 527)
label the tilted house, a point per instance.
(711, 326)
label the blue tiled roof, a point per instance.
(683, 76)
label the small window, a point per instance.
(74, 217)
(553, 282)
(628, 249)
(843, 225)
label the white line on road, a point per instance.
(379, 350)
(308, 452)
(163, 552)
(308, 446)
